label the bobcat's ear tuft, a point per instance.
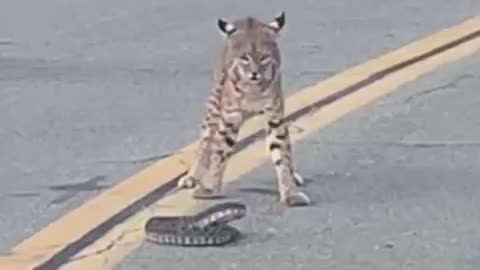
(278, 23)
(226, 27)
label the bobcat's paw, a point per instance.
(296, 198)
(186, 182)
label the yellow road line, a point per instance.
(105, 252)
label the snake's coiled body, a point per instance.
(208, 228)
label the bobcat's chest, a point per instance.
(255, 104)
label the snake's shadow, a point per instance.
(246, 239)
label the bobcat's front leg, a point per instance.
(279, 146)
(201, 163)
(223, 143)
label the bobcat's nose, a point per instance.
(254, 76)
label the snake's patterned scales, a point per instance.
(208, 228)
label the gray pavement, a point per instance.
(89, 89)
(395, 186)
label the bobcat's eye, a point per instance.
(265, 58)
(244, 58)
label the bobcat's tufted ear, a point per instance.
(278, 23)
(226, 27)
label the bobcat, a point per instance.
(247, 82)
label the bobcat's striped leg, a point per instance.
(211, 184)
(279, 146)
(208, 138)
(201, 164)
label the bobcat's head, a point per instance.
(251, 53)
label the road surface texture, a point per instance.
(91, 92)
(394, 185)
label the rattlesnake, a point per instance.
(208, 228)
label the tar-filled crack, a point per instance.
(433, 144)
(113, 243)
(138, 160)
(412, 144)
(297, 128)
(453, 84)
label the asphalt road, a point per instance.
(89, 90)
(394, 186)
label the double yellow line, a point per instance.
(104, 229)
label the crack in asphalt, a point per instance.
(412, 144)
(453, 84)
(113, 243)
(137, 160)
(71, 190)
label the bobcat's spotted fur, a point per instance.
(247, 82)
